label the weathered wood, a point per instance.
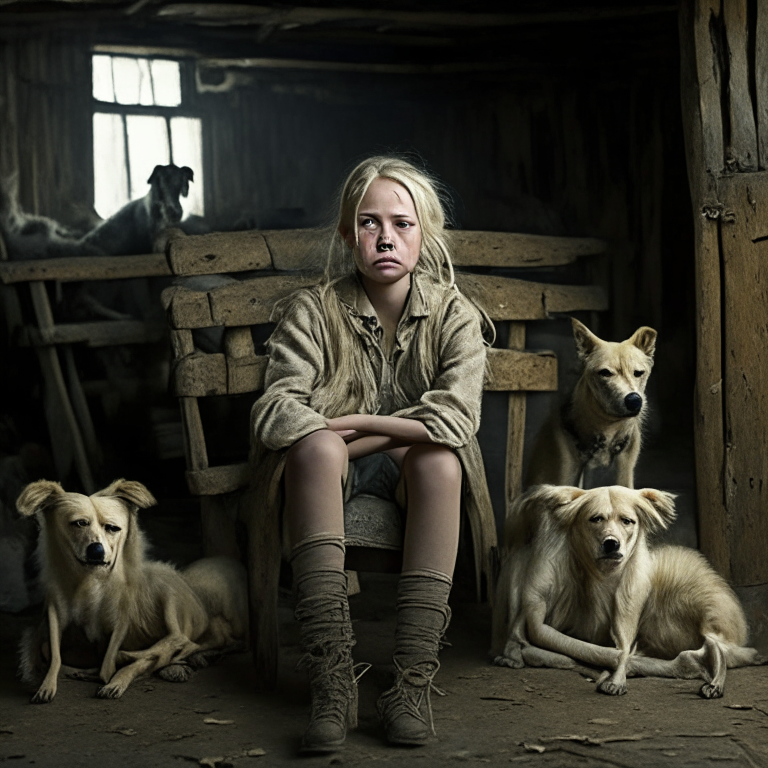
(745, 393)
(741, 155)
(761, 82)
(250, 302)
(240, 13)
(516, 408)
(75, 268)
(509, 249)
(703, 138)
(215, 480)
(182, 343)
(709, 80)
(304, 249)
(81, 410)
(238, 343)
(194, 437)
(95, 334)
(200, 374)
(218, 252)
(186, 308)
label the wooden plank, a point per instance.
(250, 302)
(96, 334)
(761, 82)
(194, 438)
(516, 409)
(182, 343)
(741, 155)
(216, 480)
(573, 298)
(75, 268)
(745, 385)
(186, 308)
(708, 79)
(305, 249)
(201, 374)
(218, 252)
(508, 249)
(702, 123)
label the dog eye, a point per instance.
(605, 373)
(595, 518)
(80, 523)
(627, 521)
(638, 374)
(111, 528)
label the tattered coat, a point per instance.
(441, 386)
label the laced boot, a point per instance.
(326, 640)
(422, 618)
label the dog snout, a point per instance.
(633, 403)
(95, 552)
(611, 547)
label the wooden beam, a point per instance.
(75, 268)
(241, 14)
(201, 374)
(95, 334)
(761, 82)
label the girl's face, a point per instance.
(388, 233)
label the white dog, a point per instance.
(579, 581)
(600, 424)
(96, 576)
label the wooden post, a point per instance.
(516, 426)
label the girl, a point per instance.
(380, 365)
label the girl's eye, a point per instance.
(367, 223)
(403, 224)
(605, 373)
(638, 374)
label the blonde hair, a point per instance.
(350, 386)
(429, 199)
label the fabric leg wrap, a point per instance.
(423, 616)
(326, 635)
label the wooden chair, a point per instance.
(274, 260)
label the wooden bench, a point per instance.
(274, 261)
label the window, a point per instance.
(138, 123)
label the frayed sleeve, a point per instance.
(450, 409)
(282, 415)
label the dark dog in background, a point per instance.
(132, 230)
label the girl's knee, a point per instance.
(323, 448)
(438, 462)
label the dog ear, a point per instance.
(131, 491)
(187, 174)
(36, 496)
(645, 339)
(155, 176)
(584, 338)
(556, 500)
(657, 509)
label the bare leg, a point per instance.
(433, 485)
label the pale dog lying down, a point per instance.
(96, 575)
(579, 577)
(600, 424)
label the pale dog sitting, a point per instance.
(600, 424)
(96, 575)
(579, 577)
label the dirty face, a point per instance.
(90, 530)
(606, 527)
(387, 240)
(617, 372)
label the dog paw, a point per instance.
(711, 691)
(612, 689)
(504, 661)
(110, 691)
(43, 696)
(176, 673)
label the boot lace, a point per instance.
(413, 687)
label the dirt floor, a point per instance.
(498, 716)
